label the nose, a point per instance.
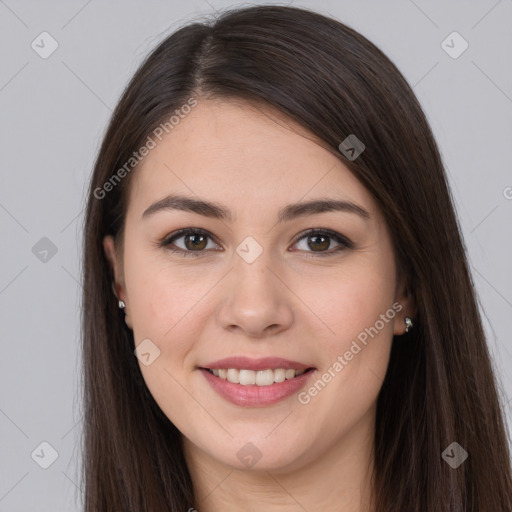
(255, 299)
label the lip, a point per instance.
(247, 363)
(253, 395)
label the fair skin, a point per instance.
(290, 302)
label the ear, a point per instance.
(114, 259)
(405, 299)
(118, 286)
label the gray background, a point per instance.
(54, 112)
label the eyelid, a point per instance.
(338, 237)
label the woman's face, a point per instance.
(258, 282)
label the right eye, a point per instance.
(195, 241)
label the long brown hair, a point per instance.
(439, 387)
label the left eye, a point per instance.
(196, 240)
(321, 239)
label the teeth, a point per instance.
(247, 377)
(258, 378)
(233, 375)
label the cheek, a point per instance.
(347, 302)
(167, 303)
(164, 309)
(157, 304)
(355, 307)
(148, 293)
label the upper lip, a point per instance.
(247, 363)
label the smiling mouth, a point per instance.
(256, 377)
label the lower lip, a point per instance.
(256, 396)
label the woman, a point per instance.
(277, 307)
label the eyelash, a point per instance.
(345, 242)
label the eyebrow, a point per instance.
(289, 212)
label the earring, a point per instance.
(122, 305)
(408, 323)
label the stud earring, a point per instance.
(122, 305)
(408, 323)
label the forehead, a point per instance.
(244, 154)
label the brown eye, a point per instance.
(195, 242)
(318, 241)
